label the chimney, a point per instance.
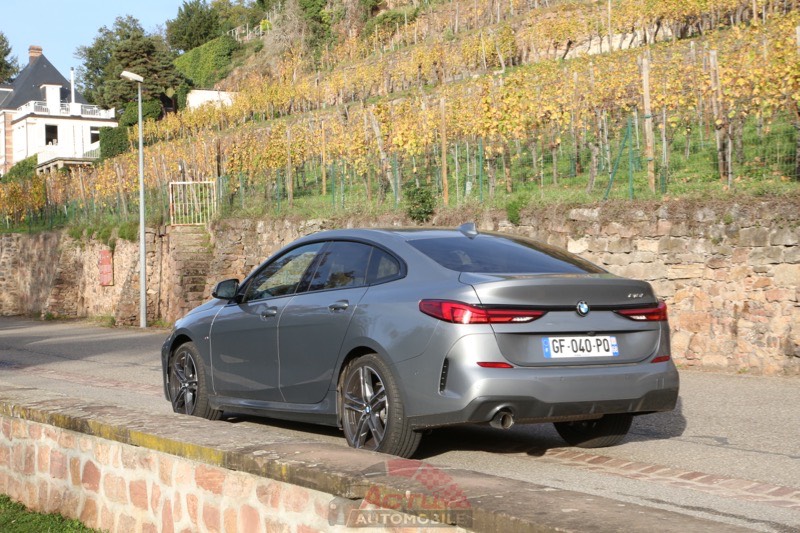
(34, 52)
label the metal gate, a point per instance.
(192, 202)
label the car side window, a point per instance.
(342, 264)
(382, 267)
(282, 275)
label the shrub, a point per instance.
(129, 231)
(420, 203)
(388, 20)
(514, 207)
(22, 170)
(209, 63)
(113, 141)
(151, 109)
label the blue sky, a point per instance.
(61, 26)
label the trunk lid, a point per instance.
(566, 335)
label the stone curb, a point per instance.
(491, 503)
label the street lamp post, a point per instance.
(130, 76)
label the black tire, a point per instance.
(600, 433)
(187, 385)
(372, 409)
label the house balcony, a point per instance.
(54, 157)
(65, 110)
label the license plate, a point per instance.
(598, 346)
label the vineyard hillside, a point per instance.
(368, 106)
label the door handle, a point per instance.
(269, 312)
(341, 305)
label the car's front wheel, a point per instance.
(601, 433)
(372, 409)
(187, 383)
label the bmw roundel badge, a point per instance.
(582, 308)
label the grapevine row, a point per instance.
(547, 101)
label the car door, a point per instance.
(314, 324)
(244, 335)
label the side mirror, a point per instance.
(226, 290)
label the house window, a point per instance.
(50, 134)
(94, 135)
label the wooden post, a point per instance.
(289, 178)
(455, 162)
(797, 36)
(443, 131)
(664, 154)
(483, 51)
(719, 122)
(385, 163)
(324, 163)
(797, 124)
(649, 139)
(507, 173)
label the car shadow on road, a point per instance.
(313, 430)
(529, 439)
(536, 439)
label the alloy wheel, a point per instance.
(183, 382)
(365, 408)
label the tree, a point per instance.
(196, 24)
(127, 47)
(318, 22)
(98, 58)
(267, 5)
(235, 13)
(8, 63)
(148, 57)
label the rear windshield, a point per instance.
(494, 254)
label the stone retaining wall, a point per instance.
(28, 266)
(114, 486)
(119, 469)
(731, 276)
(729, 273)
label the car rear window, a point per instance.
(493, 254)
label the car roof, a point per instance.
(400, 233)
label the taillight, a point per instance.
(494, 364)
(461, 313)
(646, 314)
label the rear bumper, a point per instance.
(533, 410)
(465, 392)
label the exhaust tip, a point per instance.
(502, 420)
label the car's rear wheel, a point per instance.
(600, 433)
(372, 409)
(187, 383)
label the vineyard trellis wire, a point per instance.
(528, 168)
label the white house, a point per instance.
(200, 97)
(41, 114)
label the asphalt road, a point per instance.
(730, 452)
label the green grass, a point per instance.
(16, 518)
(103, 321)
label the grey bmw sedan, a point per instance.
(386, 333)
